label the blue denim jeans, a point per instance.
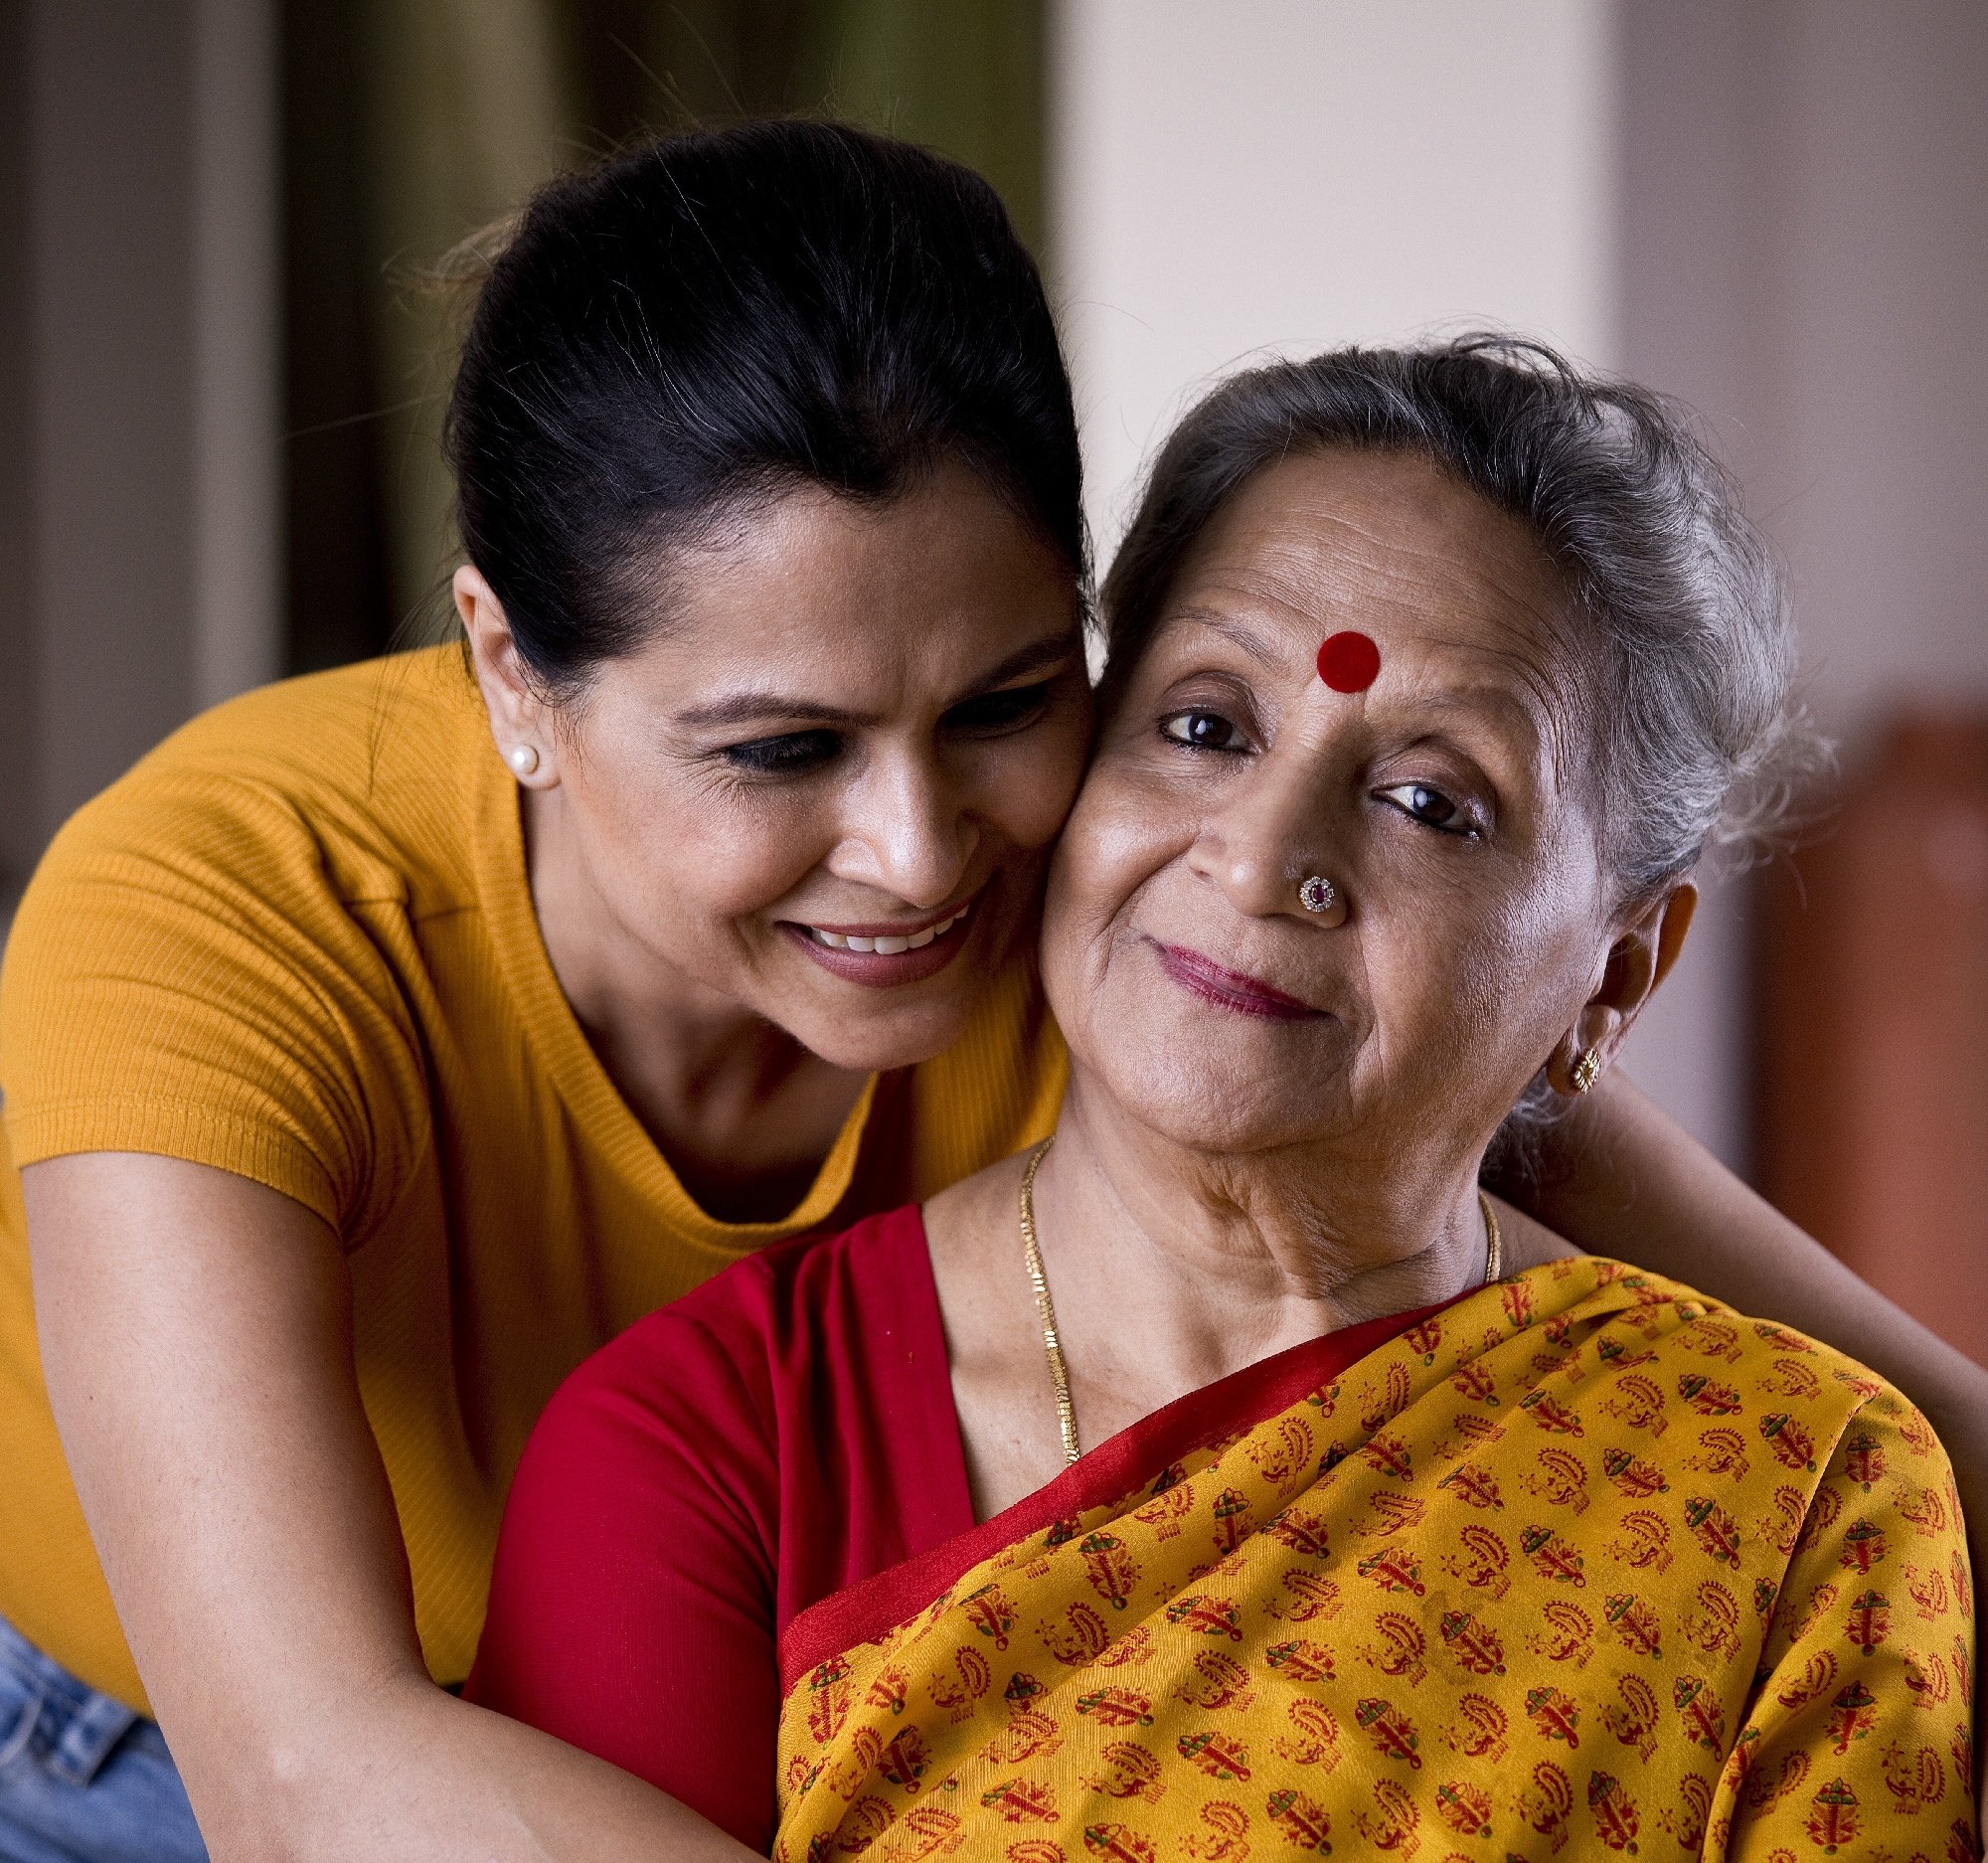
(83, 1779)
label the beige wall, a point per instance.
(1806, 258)
(1293, 173)
(1874, 310)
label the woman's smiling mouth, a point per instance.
(1229, 989)
(884, 955)
(885, 943)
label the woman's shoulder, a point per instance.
(357, 780)
(808, 1378)
(1715, 1369)
(196, 967)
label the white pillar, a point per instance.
(1289, 174)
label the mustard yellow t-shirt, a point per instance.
(297, 942)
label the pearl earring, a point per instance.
(522, 759)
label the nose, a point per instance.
(1264, 839)
(906, 833)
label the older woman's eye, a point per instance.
(1430, 808)
(1204, 730)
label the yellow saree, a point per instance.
(1582, 1563)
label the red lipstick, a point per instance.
(1229, 989)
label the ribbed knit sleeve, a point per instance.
(184, 977)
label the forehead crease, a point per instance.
(1273, 592)
(1310, 554)
(1507, 581)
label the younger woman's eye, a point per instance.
(794, 754)
(999, 710)
(1430, 808)
(1203, 731)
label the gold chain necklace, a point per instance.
(1032, 1253)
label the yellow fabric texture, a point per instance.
(1585, 1565)
(297, 942)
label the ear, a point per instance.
(519, 719)
(1639, 960)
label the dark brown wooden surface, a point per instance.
(1873, 967)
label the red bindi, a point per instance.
(1348, 661)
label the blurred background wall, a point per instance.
(220, 372)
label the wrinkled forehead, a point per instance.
(1459, 597)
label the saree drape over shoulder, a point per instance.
(1582, 1563)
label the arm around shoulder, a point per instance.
(1622, 1178)
(195, 1334)
(1861, 1732)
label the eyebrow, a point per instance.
(744, 708)
(1241, 632)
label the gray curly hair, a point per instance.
(1697, 739)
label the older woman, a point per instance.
(1227, 1471)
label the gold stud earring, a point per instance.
(1585, 1069)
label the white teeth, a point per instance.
(887, 946)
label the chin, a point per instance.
(877, 1039)
(1216, 1106)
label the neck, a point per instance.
(1172, 1267)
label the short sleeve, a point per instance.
(185, 979)
(632, 1603)
(1860, 1744)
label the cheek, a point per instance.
(677, 850)
(1117, 839)
(1480, 984)
(1030, 783)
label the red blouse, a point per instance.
(643, 1575)
(776, 1438)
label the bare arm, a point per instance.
(196, 1331)
(1623, 1178)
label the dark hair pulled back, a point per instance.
(725, 316)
